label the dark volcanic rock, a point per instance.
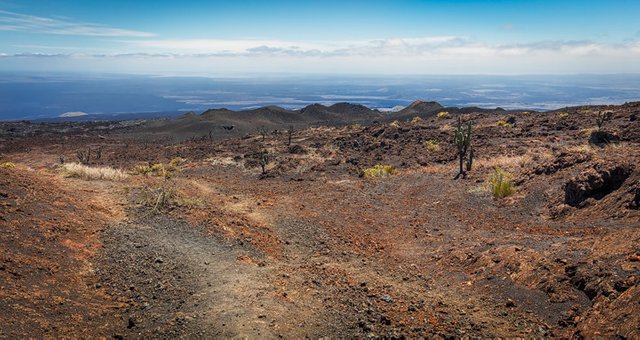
(595, 183)
(297, 150)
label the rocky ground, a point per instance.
(314, 249)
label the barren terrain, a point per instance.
(210, 246)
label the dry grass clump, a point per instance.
(509, 162)
(160, 169)
(443, 114)
(416, 120)
(7, 165)
(563, 114)
(432, 145)
(395, 124)
(500, 183)
(380, 171)
(89, 173)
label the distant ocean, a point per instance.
(34, 96)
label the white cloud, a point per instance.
(400, 47)
(12, 21)
(433, 55)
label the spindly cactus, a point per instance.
(264, 161)
(469, 162)
(289, 133)
(602, 117)
(462, 140)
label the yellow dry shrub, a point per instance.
(503, 123)
(92, 173)
(443, 114)
(432, 145)
(380, 170)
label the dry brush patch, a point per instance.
(93, 173)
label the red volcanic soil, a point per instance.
(312, 248)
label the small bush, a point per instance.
(416, 120)
(89, 173)
(356, 126)
(504, 123)
(432, 145)
(500, 183)
(380, 171)
(160, 169)
(7, 165)
(395, 124)
(178, 161)
(443, 114)
(563, 114)
(142, 169)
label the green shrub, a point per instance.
(563, 114)
(432, 145)
(443, 114)
(500, 183)
(380, 171)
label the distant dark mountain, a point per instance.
(225, 122)
(419, 108)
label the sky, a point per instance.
(377, 37)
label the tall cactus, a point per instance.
(462, 140)
(469, 162)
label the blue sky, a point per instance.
(359, 37)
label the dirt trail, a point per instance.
(186, 283)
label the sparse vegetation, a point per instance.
(462, 141)
(142, 169)
(500, 183)
(356, 126)
(84, 156)
(443, 114)
(504, 123)
(416, 120)
(160, 169)
(263, 131)
(563, 114)
(177, 162)
(98, 153)
(601, 118)
(379, 170)
(92, 173)
(432, 145)
(6, 165)
(395, 124)
(289, 134)
(263, 160)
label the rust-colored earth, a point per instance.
(312, 248)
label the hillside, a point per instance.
(256, 237)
